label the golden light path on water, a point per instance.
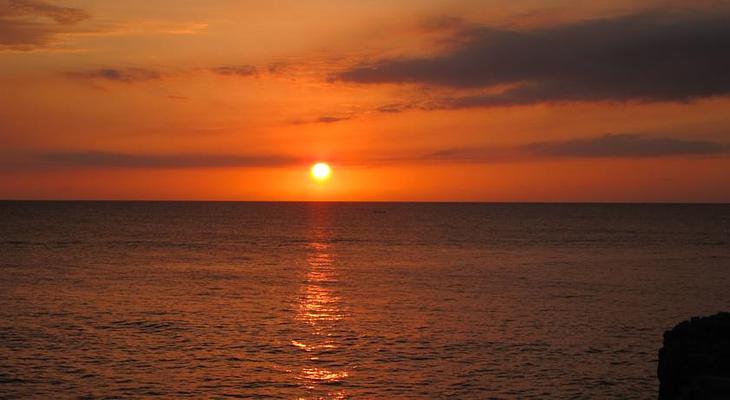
(319, 311)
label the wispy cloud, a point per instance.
(235, 70)
(605, 146)
(25, 8)
(327, 119)
(127, 160)
(124, 75)
(626, 145)
(394, 108)
(647, 57)
(31, 24)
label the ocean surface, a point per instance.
(350, 300)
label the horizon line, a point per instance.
(496, 202)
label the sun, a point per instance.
(321, 171)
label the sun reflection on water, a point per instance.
(319, 311)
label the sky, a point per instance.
(422, 100)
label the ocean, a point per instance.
(350, 300)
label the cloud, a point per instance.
(235, 70)
(606, 146)
(278, 67)
(124, 75)
(24, 35)
(125, 160)
(626, 145)
(393, 108)
(473, 154)
(62, 15)
(27, 24)
(327, 119)
(647, 57)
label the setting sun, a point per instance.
(321, 171)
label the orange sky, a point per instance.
(407, 100)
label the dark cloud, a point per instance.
(235, 70)
(325, 119)
(654, 56)
(278, 67)
(124, 160)
(125, 75)
(25, 35)
(393, 108)
(606, 146)
(330, 119)
(62, 15)
(626, 145)
(474, 154)
(26, 24)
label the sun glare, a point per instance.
(321, 171)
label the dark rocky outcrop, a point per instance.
(694, 362)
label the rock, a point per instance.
(694, 362)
